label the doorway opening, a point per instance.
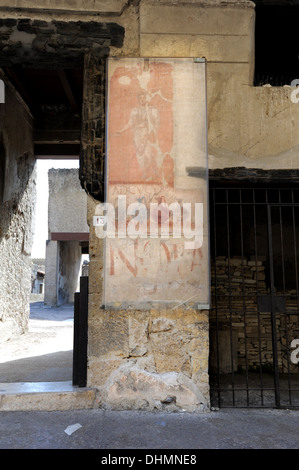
(54, 99)
(254, 323)
(44, 65)
(52, 312)
(45, 353)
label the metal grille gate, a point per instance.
(254, 319)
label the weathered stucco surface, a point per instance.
(138, 359)
(144, 359)
(158, 359)
(16, 215)
(67, 207)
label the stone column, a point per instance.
(92, 154)
(155, 358)
(69, 259)
(51, 269)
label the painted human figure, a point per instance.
(144, 121)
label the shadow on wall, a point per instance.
(70, 255)
(16, 182)
(2, 169)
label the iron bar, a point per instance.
(252, 216)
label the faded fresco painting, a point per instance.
(156, 232)
(140, 128)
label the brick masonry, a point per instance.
(92, 154)
(236, 285)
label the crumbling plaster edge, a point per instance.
(130, 387)
(15, 92)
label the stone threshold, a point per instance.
(45, 396)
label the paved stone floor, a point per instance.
(112, 430)
(45, 352)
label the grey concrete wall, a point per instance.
(67, 207)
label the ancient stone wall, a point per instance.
(159, 358)
(145, 359)
(248, 126)
(239, 327)
(92, 153)
(16, 214)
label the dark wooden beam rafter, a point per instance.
(68, 90)
(16, 81)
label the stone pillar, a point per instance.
(69, 261)
(137, 359)
(144, 359)
(92, 153)
(51, 273)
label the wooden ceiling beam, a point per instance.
(68, 90)
(18, 84)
